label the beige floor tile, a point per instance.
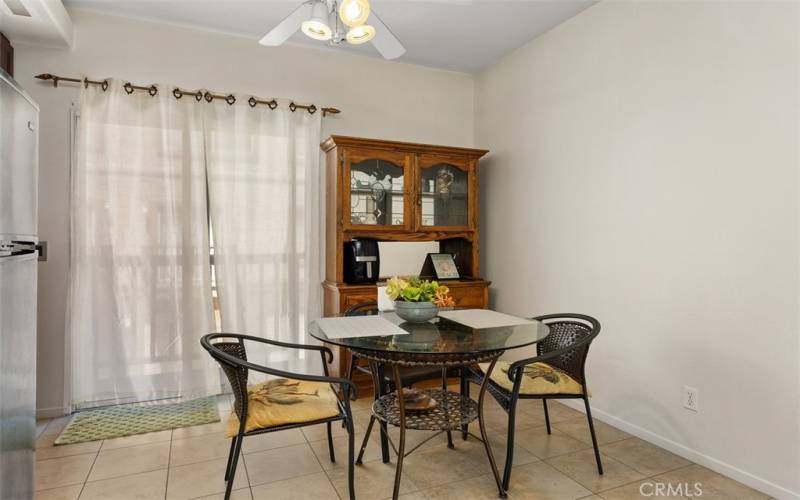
(145, 486)
(440, 466)
(199, 449)
(281, 463)
(202, 479)
(41, 425)
(63, 471)
(271, 440)
(714, 486)
(46, 449)
(65, 493)
(243, 494)
(543, 445)
(362, 403)
(312, 487)
(361, 417)
(644, 457)
(540, 481)
(558, 412)
(476, 488)
(56, 425)
(137, 439)
(579, 429)
(130, 460)
(372, 452)
(498, 419)
(581, 467)
(416, 495)
(415, 437)
(201, 430)
(319, 432)
(477, 452)
(534, 411)
(525, 420)
(374, 481)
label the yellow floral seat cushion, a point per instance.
(537, 379)
(285, 401)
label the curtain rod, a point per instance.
(178, 93)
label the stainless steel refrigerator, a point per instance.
(19, 117)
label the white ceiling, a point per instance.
(460, 35)
(42, 22)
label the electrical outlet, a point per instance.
(691, 398)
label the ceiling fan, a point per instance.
(337, 22)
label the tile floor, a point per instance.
(189, 463)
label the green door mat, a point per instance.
(138, 418)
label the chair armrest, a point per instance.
(347, 385)
(321, 348)
(517, 366)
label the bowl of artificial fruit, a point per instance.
(416, 300)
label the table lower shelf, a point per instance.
(453, 411)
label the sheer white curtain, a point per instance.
(140, 291)
(265, 192)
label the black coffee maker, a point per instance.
(362, 262)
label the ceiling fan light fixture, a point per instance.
(317, 26)
(354, 12)
(360, 34)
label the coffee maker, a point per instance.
(361, 261)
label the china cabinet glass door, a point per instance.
(444, 190)
(376, 184)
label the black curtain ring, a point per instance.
(153, 90)
(272, 104)
(128, 88)
(177, 93)
(292, 106)
(312, 109)
(230, 99)
(104, 85)
(208, 96)
(252, 102)
(198, 96)
(86, 83)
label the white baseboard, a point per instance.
(744, 477)
(53, 412)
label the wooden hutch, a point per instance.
(397, 191)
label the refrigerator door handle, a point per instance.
(11, 248)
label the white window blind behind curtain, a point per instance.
(149, 173)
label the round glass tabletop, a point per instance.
(440, 336)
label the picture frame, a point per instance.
(440, 266)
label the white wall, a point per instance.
(644, 169)
(378, 99)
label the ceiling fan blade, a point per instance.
(287, 27)
(385, 41)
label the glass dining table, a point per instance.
(438, 343)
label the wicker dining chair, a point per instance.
(556, 372)
(292, 407)
(366, 308)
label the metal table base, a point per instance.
(388, 415)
